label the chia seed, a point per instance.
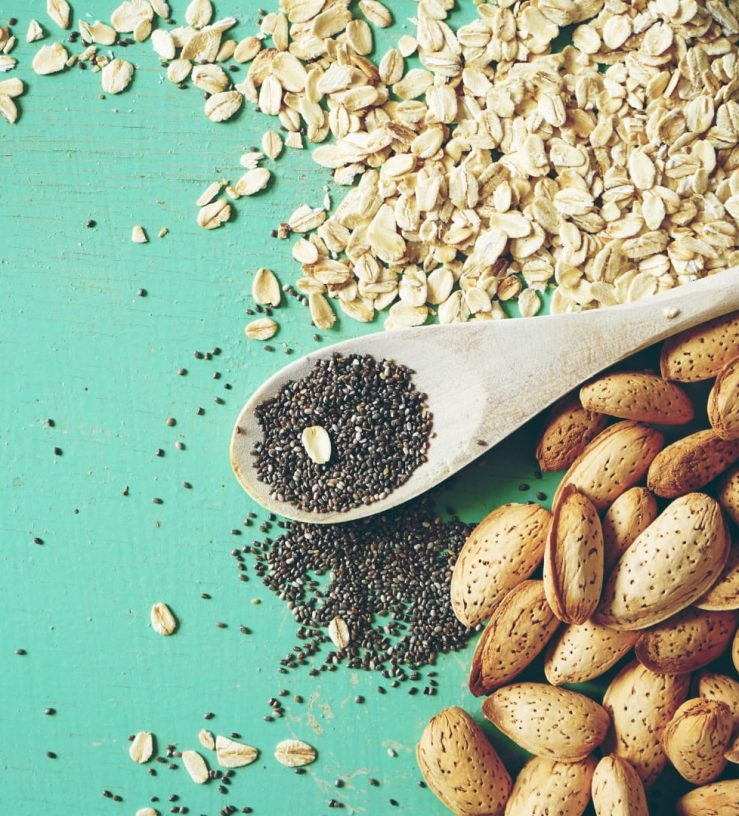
(378, 423)
(388, 578)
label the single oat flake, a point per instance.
(317, 444)
(8, 109)
(116, 76)
(162, 619)
(49, 59)
(138, 235)
(232, 754)
(34, 32)
(293, 753)
(261, 329)
(59, 12)
(265, 288)
(142, 747)
(196, 766)
(206, 739)
(212, 215)
(339, 633)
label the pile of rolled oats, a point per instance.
(607, 171)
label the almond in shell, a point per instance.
(614, 461)
(518, 630)
(503, 550)
(725, 690)
(639, 396)
(584, 651)
(670, 565)
(545, 787)
(461, 767)
(628, 517)
(697, 737)
(686, 642)
(700, 353)
(724, 594)
(723, 401)
(690, 463)
(718, 799)
(568, 429)
(547, 721)
(617, 789)
(728, 494)
(573, 558)
(640, 704)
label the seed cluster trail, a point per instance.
(378, 426)
(389, 583)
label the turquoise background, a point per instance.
(79, 346)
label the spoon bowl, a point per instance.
(485, 379)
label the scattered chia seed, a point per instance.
(57, 451)
(388, 578)
(378, 423)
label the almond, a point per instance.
(461, 767)
(641, 703)
(573, 558)
(670, 565)
(639, 396)
(617, 789)
(724, 594)
(614, 461)
(690, 463)
(584, 651)
(728, 494)
(725, 690)
(697, 737)
(545, 787)
(518, 630)
(718, 799)
(548, 721)
(628, 517)
(686, 642)
(700, 353)
(503, 550)
(723, 402)
(569, 427)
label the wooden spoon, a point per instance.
(487, 378)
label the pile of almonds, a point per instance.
(626, 566)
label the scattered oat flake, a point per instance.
(253, 181)
(339, 633)
(265, 288)
(147, 811)
(222, 106)
(164, 231)
(206, 739)
(34, 31)
(212, 215)
(163, 44)
(97, 32)
(49, 59)
(317, 444)
(116, 76)
(321, 313)
(178, 70)
(12, 87)
(59, 12)
(294, 753)
(272, 144)
(142, 747)
(130, 15)
(210, 192)
(8, 109)
(376, 13)
(261, 329)
(162, 620)
(199, 13)
(232, 754)
(196, 766)
(138, 235)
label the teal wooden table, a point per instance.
(80, 347)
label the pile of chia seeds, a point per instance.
(378, 423)
(387, 577)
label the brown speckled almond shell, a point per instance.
(686, 642)
(614, 461)
(617, 789)
(724, 594)
(641, 703)
(573, 558)
(547, 721)
(720, 687)
(461, 767)
(625, 519)
(723, 401)
(639, 396)
(670, 565)
(545, 787)
(691, 463)
(519, 629)
(728, 494)
(584, 651)
(717, 799)
(696, 738)
(700, 353)
(503, 550)
(568, 429)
